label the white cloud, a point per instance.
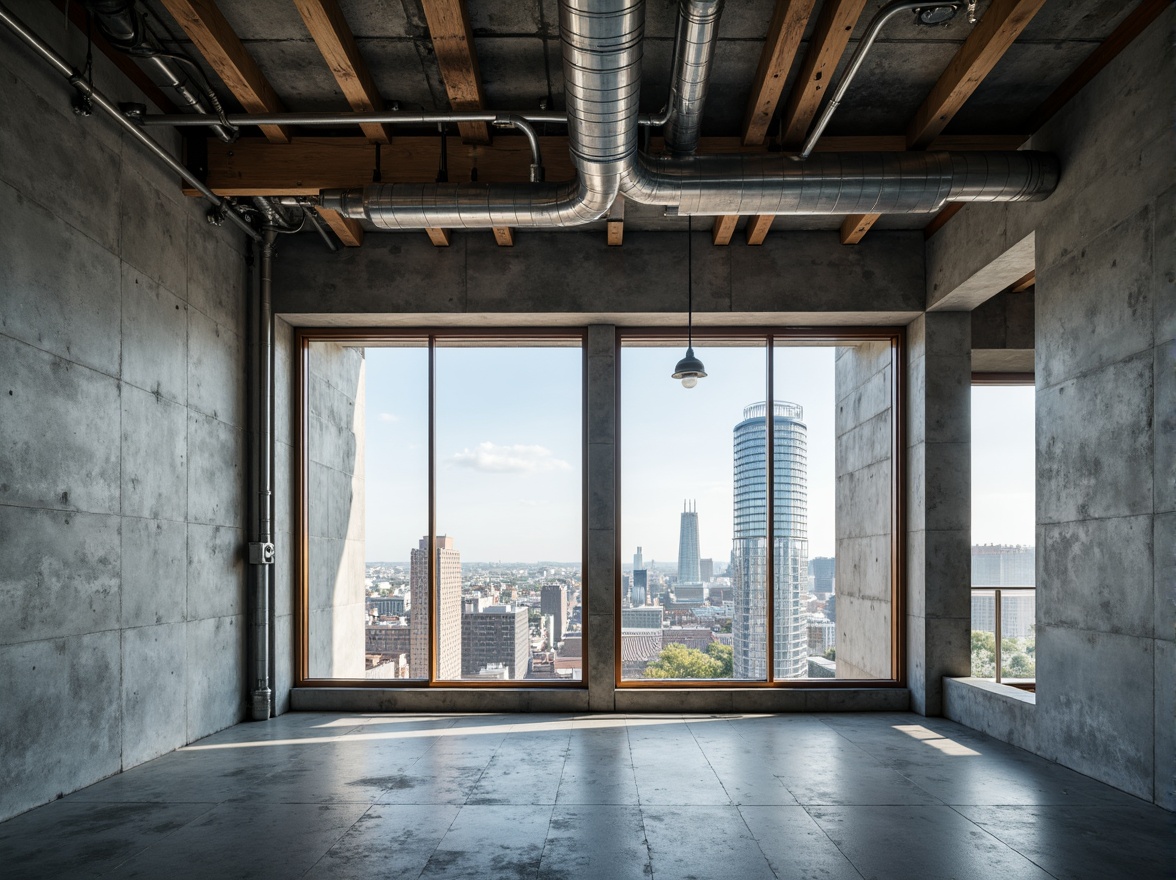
(389, 417)
(516, 459)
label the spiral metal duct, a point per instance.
(602, 71)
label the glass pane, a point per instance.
(367, 504)
(694, 488)
(509, 499)
(983, 634)
(833, 483)
(1003, 525)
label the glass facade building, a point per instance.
(749, 564)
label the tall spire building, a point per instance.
(749, 553)
(688, 568)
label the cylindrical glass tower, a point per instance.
(749, 545)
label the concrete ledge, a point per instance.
(763, 700)
(343, 699)
(1003, 712)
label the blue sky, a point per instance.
(509, 450)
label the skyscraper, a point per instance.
(553, 602)
(688, 572)
(638, 561)
(640, 592)
(749, 555)
(448, 576)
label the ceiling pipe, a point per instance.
(100, 100)
(602, 69)
(602, 43)
(124, 28)
(694, 48)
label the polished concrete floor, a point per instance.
(601, 797)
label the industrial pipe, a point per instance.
(63, 67)
(694, 46)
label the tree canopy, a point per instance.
(678, 661)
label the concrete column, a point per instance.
(939, 515)
(600, 569)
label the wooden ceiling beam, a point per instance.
(834, 27)
(784, 35)
(757, 228)
(206, 26)
(439, 237)
(453, 47)
(986, 45)
(1024, 283)
(331, 33)
(724, 229)
(350, 231)
(855, 226)
(616, 222)
(253, 167)
(504, 235)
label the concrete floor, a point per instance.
(602, 797)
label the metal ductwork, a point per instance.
(602, 70)
(602, 75)
(694, 49)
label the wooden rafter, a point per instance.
(723, 229)
(350, 231)
(616, 222)
(986, 45)
(1024, 283)
(784, 36)
(834, 27)
(757, 228)
(206, 26)
(252, 166)
(453, 46)
(324, 19)
(1122, 36)
(504, 235)
(439, 237)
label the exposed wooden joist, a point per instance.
(784, 36)
(324, 19)
(439, 237)
(350, 231)
(940, 219)
(504, 235)
(204, 24)
(1129, 28)
(1122, 36)
(1024, 283)
(453, 46)
(616, 222)
(757, 228)
(834, 28)
(723, 229)
(855, 226)
(252, 166)
(985, 45)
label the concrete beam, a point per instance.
(983, 282)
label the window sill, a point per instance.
(1007, 691)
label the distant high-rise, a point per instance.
(706, 570)
(553, 602)
(1003, 565)
(448, 578)
(824, 570)
(688, 571)
(499, 635)
(638, 560)
(749, 554)
(639, 595)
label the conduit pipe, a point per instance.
(694, 48)
(100, 100)
(123, 27)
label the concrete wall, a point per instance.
(1106, 419)
(122, 414)
(336, 510)
(864, 466)
(1002, 334)
(938, 504)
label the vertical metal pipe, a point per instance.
(262, 558)
(770, 569)
(996, 630)
(433, 599)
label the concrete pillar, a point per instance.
(939, 515)
(864, 427)
(600, 571)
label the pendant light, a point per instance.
(690, 368)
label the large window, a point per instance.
(744, 565)
(442, 509)
(1004, 605)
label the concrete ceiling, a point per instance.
(518, 52)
